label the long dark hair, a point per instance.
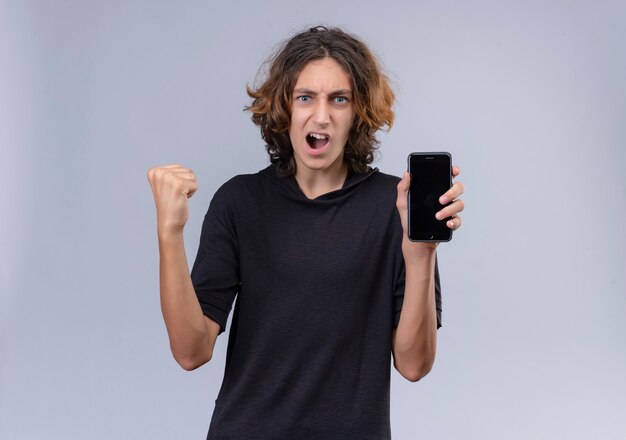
(372, 96)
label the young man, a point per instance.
(314, 249)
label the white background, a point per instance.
(529, 97)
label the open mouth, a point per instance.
(316, 140)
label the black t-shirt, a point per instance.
(319, 286)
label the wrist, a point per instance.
(415, 252)
(169, 234)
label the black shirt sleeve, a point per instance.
(438, 303)
(398, 296)
(215, 272)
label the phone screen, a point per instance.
(431, 177)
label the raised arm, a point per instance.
(192, 335)
(414, 343)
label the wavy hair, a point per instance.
(372, 95)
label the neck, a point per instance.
(315, 183)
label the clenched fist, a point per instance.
(171, 186)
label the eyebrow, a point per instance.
(333, 93)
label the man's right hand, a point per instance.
(171, 186)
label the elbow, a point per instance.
(413, 364)
(190, 363)
(415, 371)
(195, 348)
(415, 375)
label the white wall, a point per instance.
(529, 97)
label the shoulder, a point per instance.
(235, 192)
(383, 183)
(387, 179)
(239, 182)
(237, 186)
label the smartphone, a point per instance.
(431, 177)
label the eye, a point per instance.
(303, 98)
(341, 99)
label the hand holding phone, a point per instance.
(431, 177)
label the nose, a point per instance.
(321, 113)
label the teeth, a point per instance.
(318, 136)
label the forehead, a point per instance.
(325, 74)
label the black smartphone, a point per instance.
(431, 177)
